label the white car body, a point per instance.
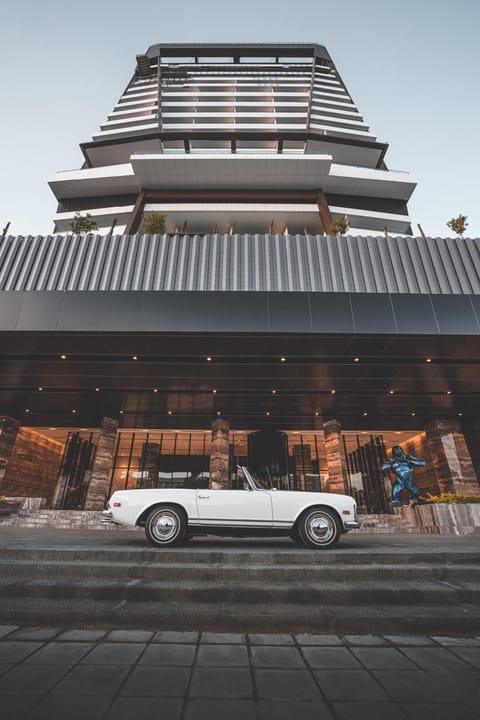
(252, 511)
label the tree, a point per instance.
(153, 223)
(339, 226)
(458, 224)
(82, 224)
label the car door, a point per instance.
(234, 508)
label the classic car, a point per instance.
(171, 516)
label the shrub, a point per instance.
(452, 498)
(82, 224)
(153, 223)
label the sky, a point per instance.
(412, 67)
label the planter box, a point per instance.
(442, 518)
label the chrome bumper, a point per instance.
(351, 524)
(107, 516)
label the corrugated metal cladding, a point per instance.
(241, 262)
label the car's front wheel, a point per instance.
(319, 528)
(166, 525)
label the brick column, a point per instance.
(220, 454)
(102, 465)
(9, 428)
(451, 459)
(336, 460)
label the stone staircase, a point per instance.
(359, 587)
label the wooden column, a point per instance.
(336, 459)
(9, 428)
(102, 465)
(451, 459)
(324, 212)
(220, 455)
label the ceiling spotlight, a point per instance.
(460, 414)
(449, 392)
(356, 359)
(218, 412)
(333, 392)
(214, 392)
(134, 357)
(365, 414)
(429, 360)
(412, 414)
(121, 412)
(170, 412)
(267, 413)
(63, 357)
(283, 359)
(391, 392)
(209, 359)
(74, 412)
(40, 388)
(27, 410)
(155, 389)
(317, 414)
(274, 392)
(97, 389)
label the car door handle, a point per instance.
(203, 497)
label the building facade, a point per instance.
(245, 333)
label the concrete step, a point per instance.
(228, 571)
(338, 619)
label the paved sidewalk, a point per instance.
(68, 674)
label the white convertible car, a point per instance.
(173, 515)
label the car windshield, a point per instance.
(251, 478)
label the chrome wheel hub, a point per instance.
(165, 526)
(320, 528)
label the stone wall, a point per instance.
(442, 518)
(33, 467)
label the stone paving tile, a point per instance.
(469, 654)
(7, 629)
(73, 707)
(222, 656)
(307, 639)
(330, 658)
(172, 636)
(365, 640)
(93, 680)
(220, 710)
(31, 679)
(226, 638)
(14, 707)
(263, 639)
(286, 685)
(124, 636)
(435, 658)
(447, 711)
(383, 659)
(82, 635)
(13, 652)
(276, 657)
(138, 708)
(416, 685)
(34, 633)
(456, 641)
(288, 710)
(463, 684)
(365, 710)
(410, 640)
(221, 683)
(148, 681)
(59, 653)
(350, 685)
(163, 654)
(114, 653)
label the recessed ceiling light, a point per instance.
(155, 389)
(274, 392)
(63, 357)
(134, 357)
(429, 360)
(460, 414)
(74, 412)
(97, 389)
(267, 413)
(209, 359)
(317, 413)
(412, 414)
(333, 392)
(170, 412)
(40, 388)
(357, 359)
(214, 392)
(121, 412)
(391, 392)
(27, 410)
(365, 414)
(219, 413)
(449, 392)
(283, 359)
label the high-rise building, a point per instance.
(236, 139)
(247, 332)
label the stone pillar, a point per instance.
(219, 457)
(9, 428)
(102, 465)
(451, 459)
(336, 459)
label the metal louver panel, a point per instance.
(287, 263)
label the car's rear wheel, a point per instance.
(319, 528)
(166, 525)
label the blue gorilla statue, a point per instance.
(402, 467)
